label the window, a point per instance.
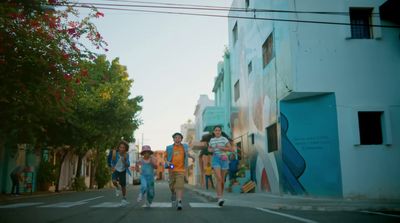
(235, 33)
(237, 90)
(360, 19)
(247, 4)
(272, 138)
(370, 126)
(267, 50)
(249, 67)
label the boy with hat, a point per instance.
(177, 155)
(148, 163)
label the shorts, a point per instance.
(120, 177)
(217, 163)
(232, 175)
(176, 180)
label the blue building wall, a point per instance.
(309, 161)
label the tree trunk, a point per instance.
(93, 171)
(64, 155)
(79, 166)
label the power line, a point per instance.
(231, 16)
(238, 9)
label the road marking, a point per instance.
(90, 199)
(107, 205)
(20, 205)
(287, 215)
(69, 204)
(159, 205)
(379, 213)
(63, 205)
(203, 205)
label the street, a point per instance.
(104, 206)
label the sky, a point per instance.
(171, 58)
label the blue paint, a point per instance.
(310, 147)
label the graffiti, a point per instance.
(309, 143)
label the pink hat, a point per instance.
(146, 148)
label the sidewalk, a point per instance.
(289, 202)
(8, 197)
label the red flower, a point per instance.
(84, 72)
(99, 14)
(71, 31)
(67, 77)
(65, 56)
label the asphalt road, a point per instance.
(104, 206)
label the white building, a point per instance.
(202, 103)
(317, 96)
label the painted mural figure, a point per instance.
(294, 164)
(119, 163)
(219, 146)
(177, 162)
(147, 163)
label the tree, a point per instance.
(103, 110)
(40, 53)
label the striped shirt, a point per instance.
(221, 142)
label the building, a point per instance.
(160, 156)
(202, 103)
(188, 132)
(316, 106)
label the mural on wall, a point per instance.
(309, 161)
(293, 165)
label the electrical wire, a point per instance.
(86, 5)
(237, 8)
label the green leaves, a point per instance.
(53, 89)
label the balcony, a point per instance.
(213, 116)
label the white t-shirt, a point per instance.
(220, 141)
(120, 166)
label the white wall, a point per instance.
(364, 74)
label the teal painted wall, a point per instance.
(309, 159)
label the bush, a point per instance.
(45, 175)
(103, 174)
(78, 184)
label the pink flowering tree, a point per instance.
(41, 52)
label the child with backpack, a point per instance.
(118, 161)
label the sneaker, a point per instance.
(116, 192)
(179, 205)
(140, 197)
(124, 202)
(221, 202)
(148, 204)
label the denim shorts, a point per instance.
(120, 177)
(216, 163)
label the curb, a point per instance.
(332, 206)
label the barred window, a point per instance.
(360, 19)
(370, 126)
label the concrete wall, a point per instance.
(312, 60)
